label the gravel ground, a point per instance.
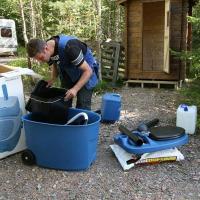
(105, 179)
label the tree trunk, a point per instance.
(184, 70)
(39, 19)
(97, 6)
(24, 29)
(33, 21)
(189, 39)
(189, 35)
(117, 18)
(23, 21)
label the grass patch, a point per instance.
(21, 51)
(41, 69)
(191, 95)
(20, 62)
(28, 81)
(101, 87)
(105, 85)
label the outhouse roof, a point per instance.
(192, 2)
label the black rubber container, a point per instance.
(47, 104)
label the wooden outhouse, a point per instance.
(153, 29)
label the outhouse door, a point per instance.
(155, 42)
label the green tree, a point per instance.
(74, 17)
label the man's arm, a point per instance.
(54, 75)
(87, 72)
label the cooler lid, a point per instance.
(9, 107)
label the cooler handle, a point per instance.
(5, 92)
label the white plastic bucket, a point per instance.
(186, 117)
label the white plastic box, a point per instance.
(186, 117)
(12, 79)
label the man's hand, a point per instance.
(71, 93)
(50, 82)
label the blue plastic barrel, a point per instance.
(65, 147)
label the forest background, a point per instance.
(93, 21)
(90, 20)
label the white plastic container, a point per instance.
(186, 117)
(11, 77)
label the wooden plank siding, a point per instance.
(153, 36)
(141, 28)
(134, 28)
(126, 42)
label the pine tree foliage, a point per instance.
(73, 17)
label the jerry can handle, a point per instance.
(116, 95)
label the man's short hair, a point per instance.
(35, 46)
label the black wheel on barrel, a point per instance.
(28, 158)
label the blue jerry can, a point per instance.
(111, 107)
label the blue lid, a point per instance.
(184, 106)
(112, 97)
